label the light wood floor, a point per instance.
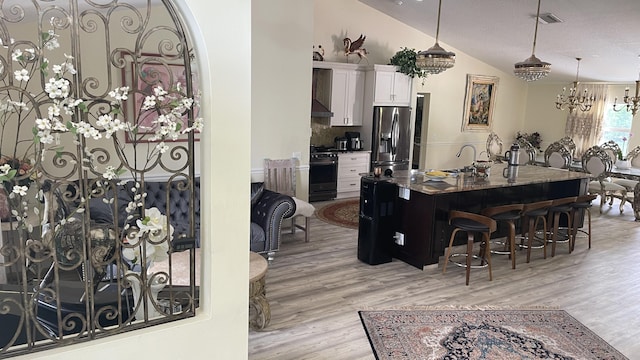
(316, 289)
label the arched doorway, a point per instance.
(100, 146)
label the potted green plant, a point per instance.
(405, 59)
(534, 139)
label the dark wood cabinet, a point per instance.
(423, 218)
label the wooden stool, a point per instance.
(560, 207)
(508, 213)
(257, 294)
(531, 214)
(471, 223)
(583, 202)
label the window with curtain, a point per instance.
(585, 128)
(616, 126)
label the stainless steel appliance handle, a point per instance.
(323, 162)
(395, 136)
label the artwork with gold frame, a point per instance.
(150, 75)
(479, 102)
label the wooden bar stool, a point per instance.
(558, 208)
(471, 224)
(509, 214)
(583, 202)
(532, 213)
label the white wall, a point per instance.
(336, 19)
(281, 84)
(541, 114)
(220, 328)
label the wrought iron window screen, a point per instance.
(64, 274)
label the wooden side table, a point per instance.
(257, 294)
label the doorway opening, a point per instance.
(420, 126)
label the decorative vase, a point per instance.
(5, 209)
(623, 164)
(150, 299)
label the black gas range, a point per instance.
(323, 173)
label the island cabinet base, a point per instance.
(422, 219)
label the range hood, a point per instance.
(318, 109)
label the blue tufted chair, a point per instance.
(160, 194)
(177, 198)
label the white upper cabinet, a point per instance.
(391, 88)
(346, 91)
(347, 94)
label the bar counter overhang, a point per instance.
(422, 205)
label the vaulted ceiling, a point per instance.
(605, 34)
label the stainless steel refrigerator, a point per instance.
(391, 138)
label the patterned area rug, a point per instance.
(482, 334)
(341, 213)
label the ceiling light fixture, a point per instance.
(573, 101)
(532, 68)
(436, 59)
(632, 103)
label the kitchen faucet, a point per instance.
(472, 147)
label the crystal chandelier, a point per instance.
(573, 101)
(436, 59)
(632, 103)
(532, 68)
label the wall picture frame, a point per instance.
(479, 102)
(150, 74)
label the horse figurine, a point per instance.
(355, 47)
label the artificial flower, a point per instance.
(158, 235)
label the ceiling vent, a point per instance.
(549, 18)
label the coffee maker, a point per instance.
(353, 141)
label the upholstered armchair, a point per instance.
(268, 209)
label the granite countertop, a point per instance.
(529, 174)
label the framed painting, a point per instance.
(150, 75)
(479, 102)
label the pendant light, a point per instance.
(631, 103)
(574, 100)
(436, 59)
(532, 68)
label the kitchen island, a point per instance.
(422, 206)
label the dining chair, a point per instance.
(507, 214)
(280, 176)
(494, 147)
(598, 163)
(471, 224)
(559, 207)
(634, 157)
(557, 155)
(569, 144)
(582, 203)
(534, 214)
(529, 151)
(612, 149)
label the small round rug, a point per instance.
(341, 213)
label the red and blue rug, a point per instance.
(482, 334)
